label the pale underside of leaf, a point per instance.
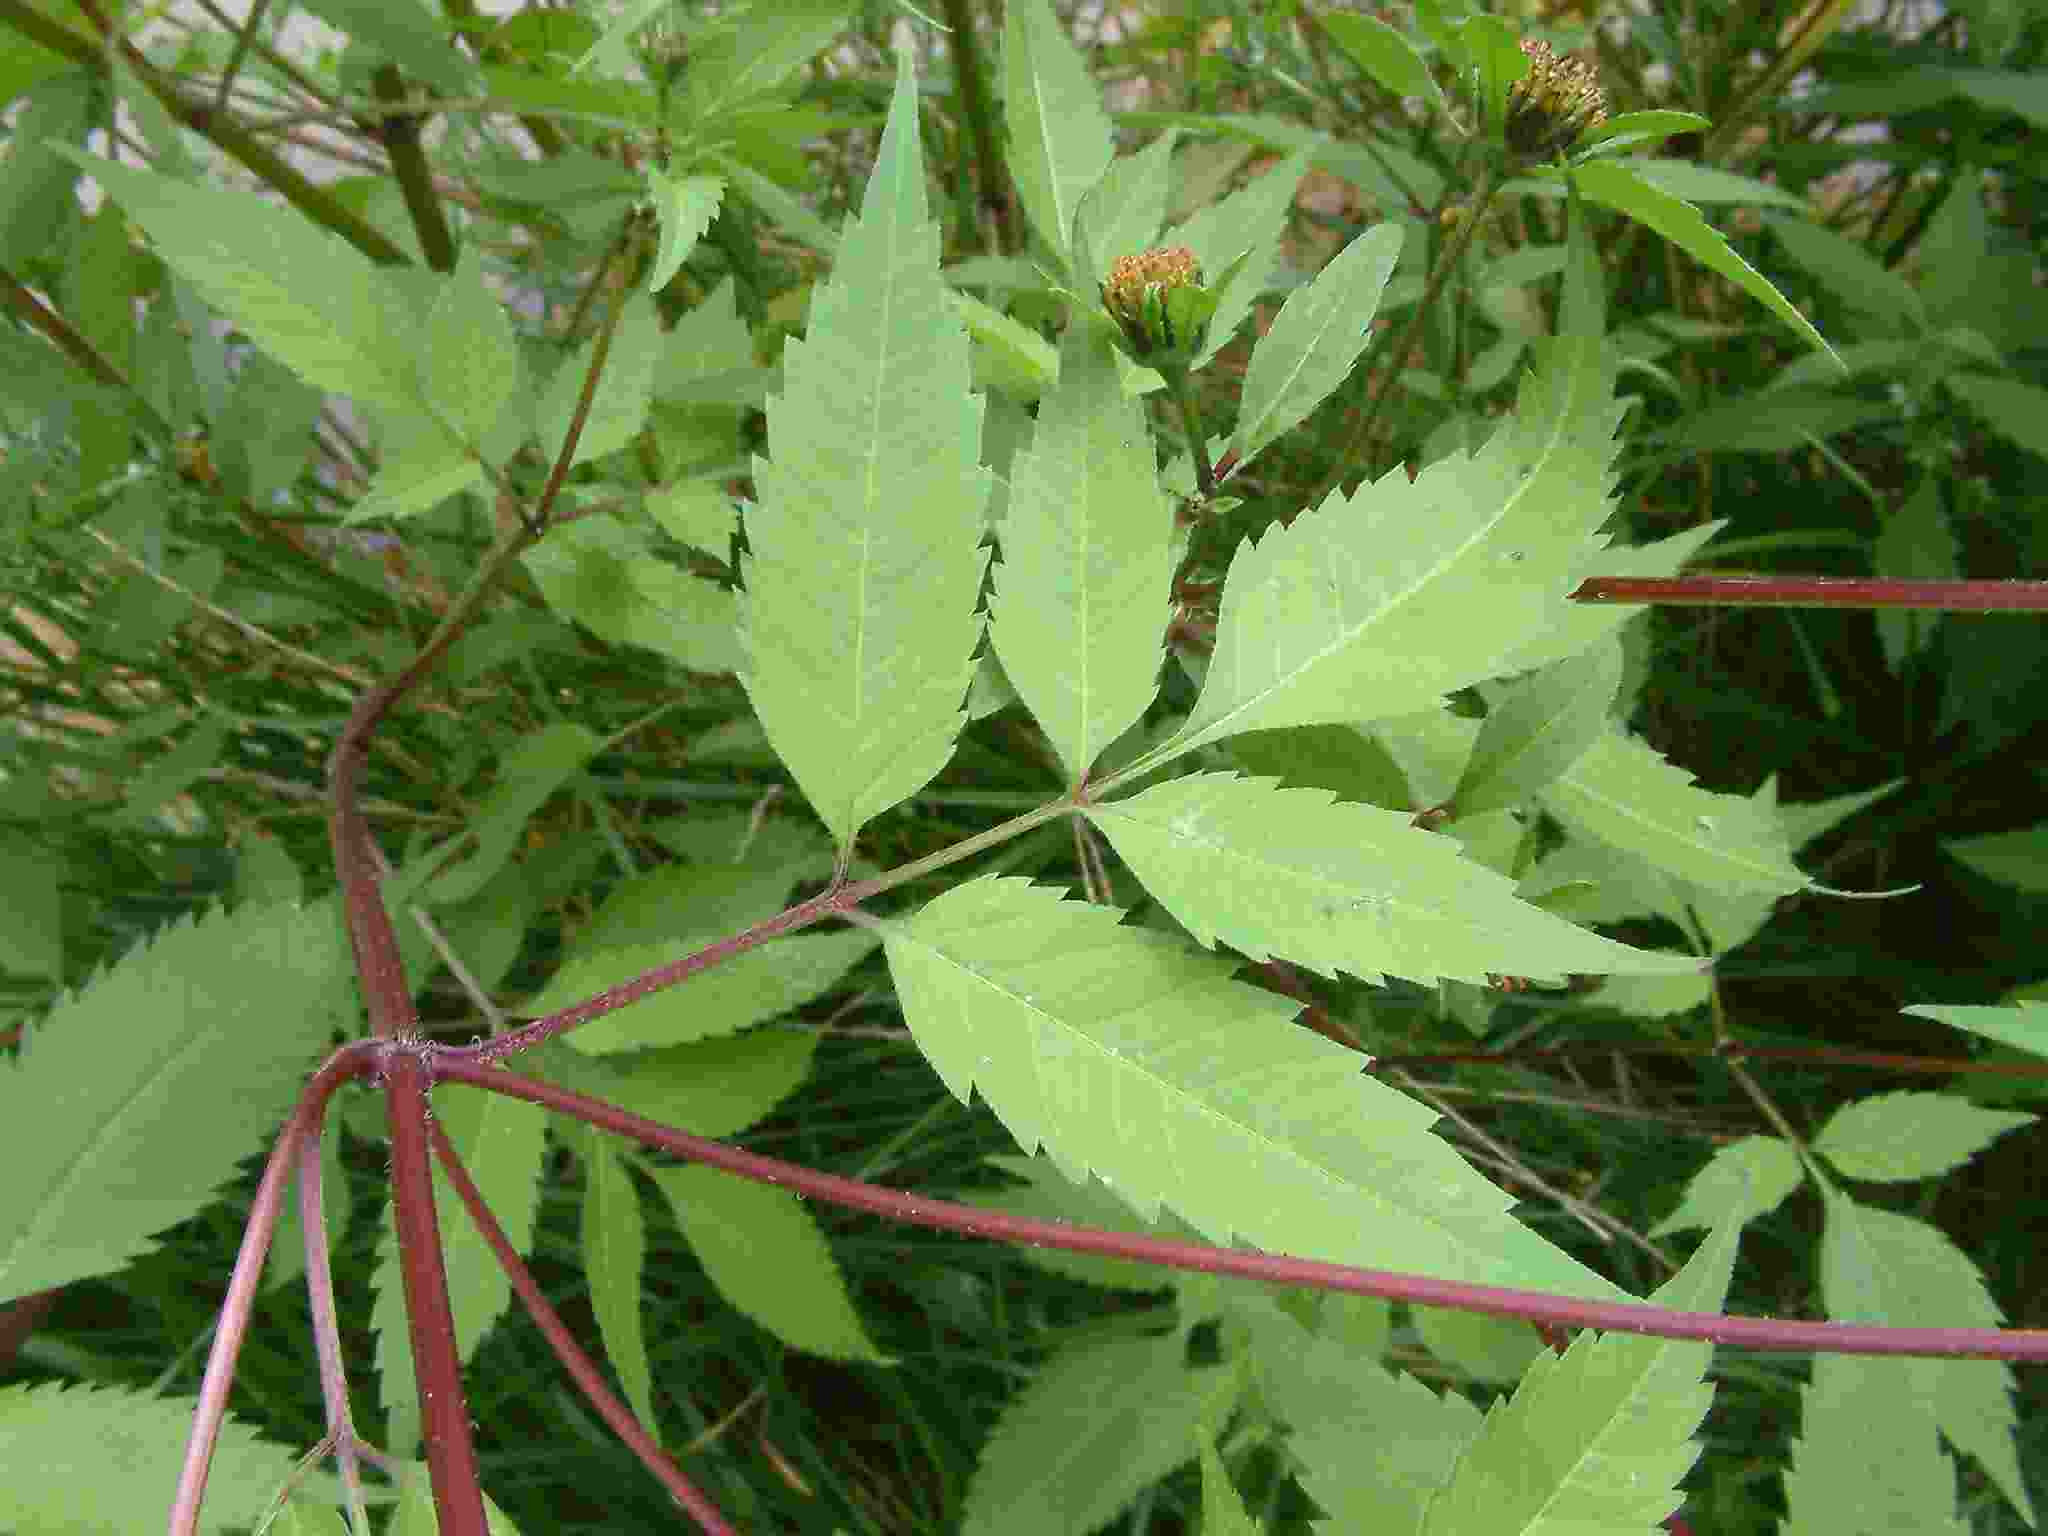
(1381, 604)
(1597, 1439)
(865, 567)
(1080, 606)
(1060, 141)
(99, 1157)
(1878, 1266)
(1127, 1055)
(1335, 886)
(1621, 792)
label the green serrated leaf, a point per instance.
(1854, 1470)
(1317, 336)
(1374, 1447)
(1484, 1348)
(767, 1257)
(98, 1460)
(212, 1011)
(468, 361)
(1615, 185)
(1078, 616)
(500, 1141)
(757, 51)
(1880, 1267)
(1741, 1182)
(1381, 604)
(1332, 887)
(686, 205)
(311, 301)
(620, 404)
(1596, 1439)
(1060, 141)
(1542, 726)
(1910, 1135)
(1623, 793)
(406, 487)
(864, 567)
(1127, 1055)
(614, 1246)
(1102, 1421)
(599, 572)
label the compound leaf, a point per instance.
(1910, 1135)
(859, 617)
(1128, 1055)
(1332, 886)
(215, 1011)
(1078, 616)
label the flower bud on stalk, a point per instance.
(1159, 305)
(1553, 106)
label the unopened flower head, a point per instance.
(1554, 105)
(1159, 304)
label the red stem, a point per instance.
(233, 1323)
(579, 1364)
(1817, 592)
(1759, 1333)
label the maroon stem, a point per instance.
(1759, 1333)
(1811, 1055)
(578, 1363)
(1817, 592)
(233, 1324)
